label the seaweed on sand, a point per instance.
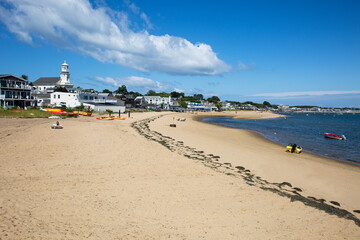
(284, 189)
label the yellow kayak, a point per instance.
(53, 109)
(105, 118)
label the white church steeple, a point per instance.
(65, 76)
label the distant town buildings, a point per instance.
(59, 92)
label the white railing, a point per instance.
(104, 101)
(15, 97)
(17, 86)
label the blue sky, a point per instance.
(285, 52)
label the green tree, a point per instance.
(175, 94)
(60, 89)
(266, 104)
(199, 97)
(214, 99)
(109, 111)
(135, 94)
(163, 94)
(150, 93)
(122, 90)
(25, 77)
(218, 105)
(183, 104)
(107, 91)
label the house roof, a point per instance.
(47, 95)
(11, 77)
(46, 81)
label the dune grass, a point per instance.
(30, 113)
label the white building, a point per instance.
(48, 84)
(156, 101)
(203, 106)
(283, 108)
(97, 101)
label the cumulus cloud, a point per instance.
(131, 81)
(179, 90)
(300, 94)
(243, 67)
(105, 35)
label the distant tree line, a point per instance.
(196, 98)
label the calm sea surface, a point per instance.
(307, 130)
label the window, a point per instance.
(54, 96)
(59, 96)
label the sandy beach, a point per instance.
(141, 179)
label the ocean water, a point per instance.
(307, 130)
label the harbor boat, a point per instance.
(334, 136)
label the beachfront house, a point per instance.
(96, 101)
(283, 108)
(156, 102)
(131, 101)
(228, 106)
(204, 106)
(14, 91)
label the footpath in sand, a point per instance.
(122, 180)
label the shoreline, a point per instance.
(317, 176)
(345, 161)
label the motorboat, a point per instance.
(334, 136)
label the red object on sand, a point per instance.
(62, 113)
(15, 110)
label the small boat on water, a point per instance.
(334, 136)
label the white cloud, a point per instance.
(146, 20)
(179, 90)
(133, 7)
(131, 81)
(104, 35)
(301, 94)
(243, 67)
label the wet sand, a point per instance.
(141, 179)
